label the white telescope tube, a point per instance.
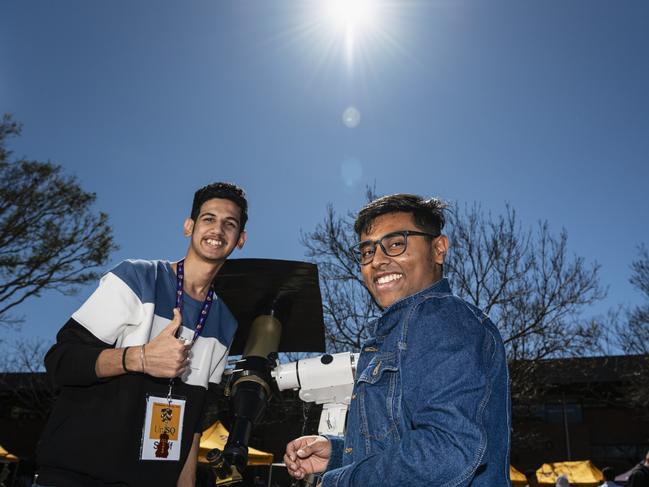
(324, 379)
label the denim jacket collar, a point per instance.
(392, 313)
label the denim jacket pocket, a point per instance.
(379, 395)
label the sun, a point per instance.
(352, 21)
(358, 32)
(352, 14)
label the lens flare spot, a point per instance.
(351, 117)
(351, 172)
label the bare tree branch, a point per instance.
(347, 305)
(49, 236)
(633, 333)
(32, 391)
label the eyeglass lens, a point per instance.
(393, 245)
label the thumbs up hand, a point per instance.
(166, 355)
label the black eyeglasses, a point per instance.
(393, 244)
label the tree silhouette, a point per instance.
(49, 236)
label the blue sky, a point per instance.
(540, 104)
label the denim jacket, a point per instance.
(430, 405)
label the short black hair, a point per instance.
(226, 191)
(427, 213)
(609, 473)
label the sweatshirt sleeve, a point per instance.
(71, 360)
(96, 325)
(116, 303)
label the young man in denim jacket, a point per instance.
(431, 400)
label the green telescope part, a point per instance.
(291, 289)
(264, 337)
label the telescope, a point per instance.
(326, 380)
(279, 309)
(249, 388)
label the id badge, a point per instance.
(163, 429)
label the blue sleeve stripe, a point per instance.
(139, 276)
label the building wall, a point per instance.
(607, 435)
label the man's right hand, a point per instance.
(306, 455)
(166, 355)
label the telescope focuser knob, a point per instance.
(326, 359)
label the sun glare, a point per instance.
(351, 20)
(352, 14)
(357, 32)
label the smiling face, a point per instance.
(390, 279)
(216, 231)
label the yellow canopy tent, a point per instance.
(5, 456)
(216, 436)
(517, 478)
(580, 473)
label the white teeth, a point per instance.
(214, 243)
(388, 278)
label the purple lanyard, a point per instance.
(207, 304)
